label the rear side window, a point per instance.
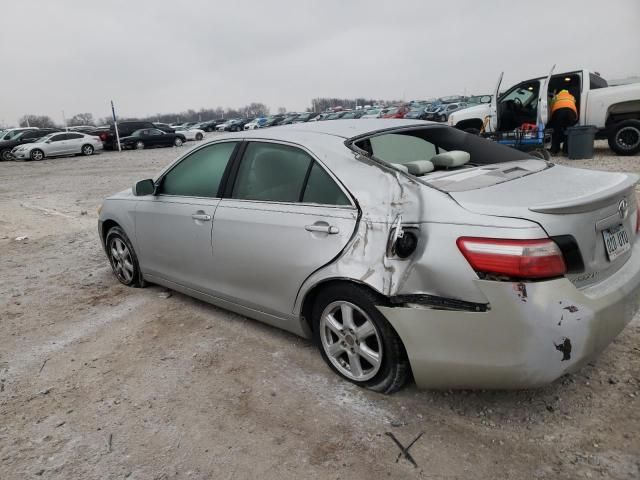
(398, 148)
(322, 189)
(59, 137)
(74, 136)
(199, 174)
(271, 172)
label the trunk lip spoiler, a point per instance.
(588, 202)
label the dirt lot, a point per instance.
(102, 381)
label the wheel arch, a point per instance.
(469, 123)
(306, 305)
(618, 112)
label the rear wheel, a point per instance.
(199, 136)
(123, 259)
(87, 150)
(177, 142)
(356, 341)
(36, 154)
(6, 155)
(624, 138)
(541, 153)
(139, 145)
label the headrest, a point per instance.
(419, 167)
(452, 159)
(399, 166)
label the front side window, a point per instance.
(271, 172)
(199, 174)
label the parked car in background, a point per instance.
(404, 249)
(336, 115)
(396, 112)
(354, 114)
(478, 99)
(418, 113)
(165, 127)
(233, 125)
(320, 117)
(289, 119)
(273, 120)
(58, 144)
(447, 109)
(190, 133)
(11, 132)
(125, 129)
(256, 123)
(26, 136)
(152, 137)
(305, 117)
(432, 113)
(81, 128)
(374, 112)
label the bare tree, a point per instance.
(40, 121)
(282, 110)
(81, 119)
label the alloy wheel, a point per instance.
(37, 155)
(351, 341)
(177, 142)
(87, 150)
(121, 260)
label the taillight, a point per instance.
(513, 258)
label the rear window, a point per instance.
(423, 143)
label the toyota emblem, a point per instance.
(623, 208)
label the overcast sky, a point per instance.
(166, 56)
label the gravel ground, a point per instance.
(102, 381)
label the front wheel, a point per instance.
(624, 138)
(177, 142)
(87, 150)
(139, 145)
(6, 155)
(123, 259)
(36, 154)
(357, 341)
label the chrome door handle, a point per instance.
(201, 216)
(330, 229)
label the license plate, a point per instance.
(616, 241)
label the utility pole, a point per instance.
(115, 125)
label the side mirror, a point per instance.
(144, 187)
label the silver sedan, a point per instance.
(403, 248)
(58, 144)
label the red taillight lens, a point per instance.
(513, 258)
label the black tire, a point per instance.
(87, 150)
(6, 155)
(394, 369)
(624, 137)
(199, 136)
(178, 142)
(36, 154)
(117, 234)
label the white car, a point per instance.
(374, 113)
(190, 133)
(58, 144)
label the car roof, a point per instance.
(338, 128)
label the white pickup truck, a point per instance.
(614, 111)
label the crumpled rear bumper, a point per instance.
(532, 334)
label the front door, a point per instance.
(287, 218)
(543, 100)
(173, 227)
(492, 126)
(57, 144)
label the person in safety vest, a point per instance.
(564, 114)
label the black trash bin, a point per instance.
(580, 141)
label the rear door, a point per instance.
(286, 218)
(74, 143)
(173, 227)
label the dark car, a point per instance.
(289, 119)
(336, 115)
(152, 137)
(26, 136)
(354, 114)
(126, 129)
(417, 114)
(305, 117)
(273, 120)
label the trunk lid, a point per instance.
(563, 201)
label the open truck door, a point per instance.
(493, 117)
(543, 100)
